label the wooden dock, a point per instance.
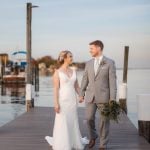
(27, 132)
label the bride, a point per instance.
(66, 132)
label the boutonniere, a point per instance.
(102, 63)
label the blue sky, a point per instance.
(72, 24)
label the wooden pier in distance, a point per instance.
(28, 132)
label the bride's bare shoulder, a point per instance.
(55, 75)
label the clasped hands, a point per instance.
(81, 99)
(57, 106)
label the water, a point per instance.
(138, 83)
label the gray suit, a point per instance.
(97, 90)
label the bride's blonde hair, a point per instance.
(62, 55)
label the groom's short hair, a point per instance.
(98, 43)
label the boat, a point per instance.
(15, 70)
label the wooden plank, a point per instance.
(27, 132)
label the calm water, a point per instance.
(138, 83)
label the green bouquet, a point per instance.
(112, 110)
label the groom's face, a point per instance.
(95, 50)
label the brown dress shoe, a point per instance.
(102, 149)
(92, 143)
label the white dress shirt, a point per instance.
(97, 62)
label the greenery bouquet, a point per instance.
(112, 110)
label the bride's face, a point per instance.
(69, 59)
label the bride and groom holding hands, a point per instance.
(98, 87)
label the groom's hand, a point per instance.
(81, 99)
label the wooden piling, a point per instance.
(125, 69)
(28, 40)
(36, 78)
(3, 62)
(123, 101)
(28, 45)
(28, 97)
(3, 89)
(2, 73)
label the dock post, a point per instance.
(28, 97)
(28, 45)
(36, 78)
(0, 73)
(123, 87)
(29, 102)
(144, 115)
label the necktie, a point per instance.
(96, 65)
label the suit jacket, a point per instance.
(102, 86)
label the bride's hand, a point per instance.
(57, 108)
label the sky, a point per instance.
(72, 24)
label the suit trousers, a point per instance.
(104, 123)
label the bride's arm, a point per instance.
(77, 88)
(56, 91)
(76, 85)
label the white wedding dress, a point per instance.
(66, 132)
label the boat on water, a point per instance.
(13, 79)
(15, 69)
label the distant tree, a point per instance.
(80, 65)
(48, 60)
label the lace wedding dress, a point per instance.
(66, 132)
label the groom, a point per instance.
(97, 88)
